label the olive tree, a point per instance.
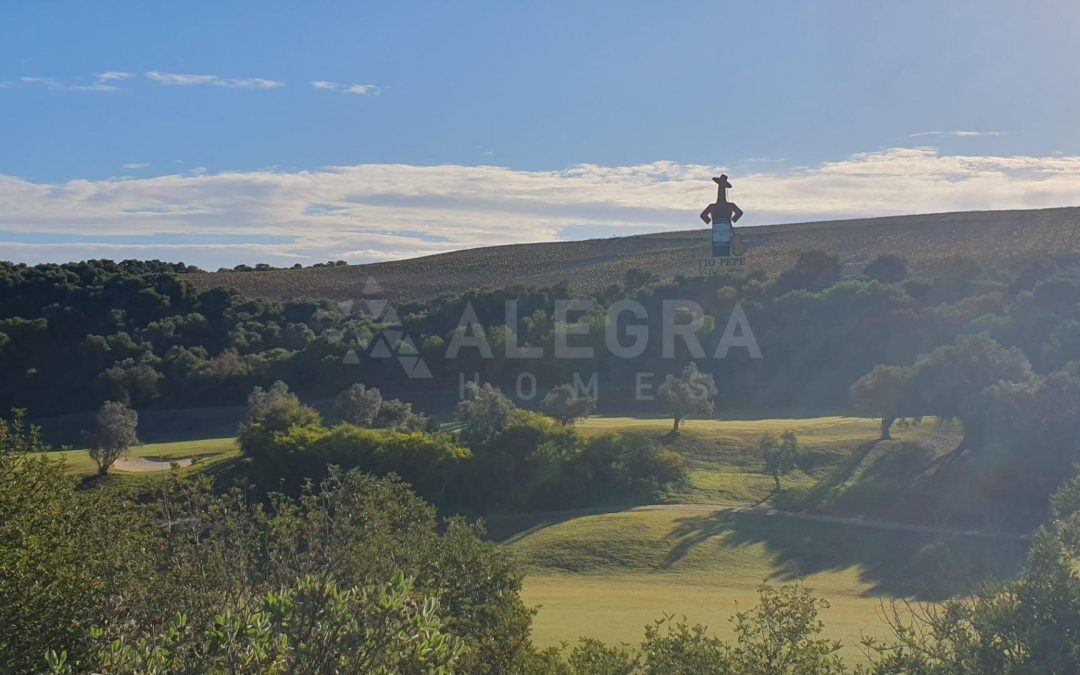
(484, 412)
(691, 393)
(359, 405)
(114, 432)
(779, 455)
(565, 406)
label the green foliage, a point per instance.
(395, 414)
(884, 392)
(429, 462)
(672, 646)
(593, 656)
(298, 584)
(691, 393)
(887, 268)
(131, 382)
(484, 412)
(64, 555)
(358, 405)
(952, 381)
(531, 463)
(310, 627)
(564, 405)
(779, 636)
(271, 412)
(813, 271)
(365, 407)
(17, 436)
(115, 427)
(1027, 625)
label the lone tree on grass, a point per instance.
(563, 404)
(882, 393)
(691, 393)
(114, 433)
(779, 455)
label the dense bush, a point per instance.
(428, 462)
(529, 462)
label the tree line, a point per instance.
(76, 335)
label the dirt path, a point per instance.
(838, 520)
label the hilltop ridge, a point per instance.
(927, 241)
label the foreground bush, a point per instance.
(84, 568)
(312, 627)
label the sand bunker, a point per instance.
(143, 465)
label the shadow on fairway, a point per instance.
(894, 563)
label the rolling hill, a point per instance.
(929, 242)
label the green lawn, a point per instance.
(207, 450)
(607, 574)
(724, 467)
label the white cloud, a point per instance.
(113, 75)
(361, 89)
(136, 165)
(190, 80)
(958, 133)
(101, 82)
(255, 83)
(381, 211)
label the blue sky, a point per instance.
(196, 130)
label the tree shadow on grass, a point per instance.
(925, 567)
(834, 481)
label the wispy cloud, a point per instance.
(101, 82)
(956, 133)
(114, 75)
(374, 212)
(137, 165)
(192, 80)
(360, 89)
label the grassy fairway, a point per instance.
(606, 575)
(724, 467)
(211, 449)
(616, 608)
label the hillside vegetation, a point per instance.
(928, 242)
